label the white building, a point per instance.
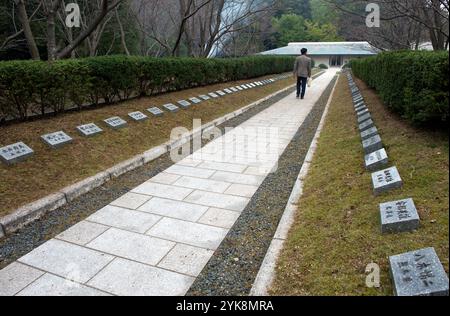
(332, 54)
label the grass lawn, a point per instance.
(336, 233)
(50, 170)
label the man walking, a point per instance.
(302, 71)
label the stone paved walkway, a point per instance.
(156, 239)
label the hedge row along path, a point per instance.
(156, 239)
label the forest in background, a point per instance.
(36, 29)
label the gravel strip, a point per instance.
(234, 266)
(35, 234)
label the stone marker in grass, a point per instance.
(234, 89)
(57, 139)
(359, 104)
(115, 122)
(137, 116)
(184, 104)
(89, 130)
(364, 117)
(171, 107)
(368, 133)
(204, 97)
(366, 125)
(195, 100)
(156, 111)
(229, 91)
(418, 273)
(372, 144)
(386, 180)
(399, 216)
(244, 87)
(221, 93)
(213, 95)
(376, 160)
(362, 111)
(239, 88)
(15, 153)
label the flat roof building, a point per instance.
(332, 54)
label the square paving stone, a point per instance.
(418, 273)
(376, 160)
(15, 277)
(202, 184)
(190, 171)
(186, 259)
(229, 202)
(67, 260)
(372, 144)
(131, 200)
(242, 190)
(399, 216)
(174, 209)
(162, 190)
(82, 233)
(219, 218)
(128, 278)
(52, 285)
(124, 218)
(237, 178)
(165, 178)
(15, 153)
(194, 234)
(132, 246)
(369, 133)
(386, 180)
(222, 166)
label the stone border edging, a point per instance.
(34, 210)
(267, 270)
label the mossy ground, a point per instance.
(336, 233)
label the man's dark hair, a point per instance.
(304, 51)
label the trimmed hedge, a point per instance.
(37, 87)
(411, 83)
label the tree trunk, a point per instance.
(23, 17)
(122, 34)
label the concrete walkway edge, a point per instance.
(266, 272)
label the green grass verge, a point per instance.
(336, 233)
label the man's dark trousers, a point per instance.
(301, 86)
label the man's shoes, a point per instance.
(298, 97)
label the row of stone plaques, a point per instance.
(414, 273)
(18, 152)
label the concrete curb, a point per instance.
(266, 272)
(34, 210)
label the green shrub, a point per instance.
(36, 87)
(323, 66)
(411, 83)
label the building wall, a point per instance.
(326, 59)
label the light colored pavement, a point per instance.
(156, 239)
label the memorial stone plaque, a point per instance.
(15, 153)
(239, 88)
(205, 97)
(358, 99)
(195, 100)
(418, 273)
(361, 103)
(362, 112)
(363, 118)
(89, 130)
(386, 180)
(369, 133)
(213, 95)
(221, 93)
(156, 111)
(244, 87)
(56, 140)
(399, 216)
(372, 144)
(138, 116)
(115, 122)
(184, 104)
(366, 125)
(376, 160)
(361, 108)
(228, 91)
(171, 107)
(234, 89)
